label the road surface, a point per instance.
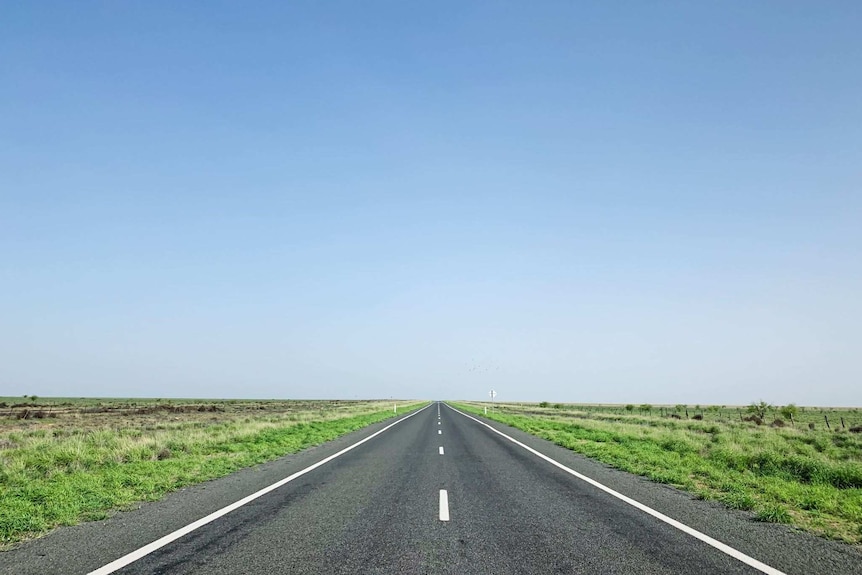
(436, 492)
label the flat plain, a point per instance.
(801, 473)
(434, 490)
(66, 460)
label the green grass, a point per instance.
(78, 467)
(808, 478)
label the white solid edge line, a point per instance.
(441, 450)
(444, 505)
(723, 547)
(170, 537)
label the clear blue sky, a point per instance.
(565, 201)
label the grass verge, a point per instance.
(61, 474)
(800, 477)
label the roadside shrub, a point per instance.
(774, 513)
(678, 445)
(844, 475)
(736, 499)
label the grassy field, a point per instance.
(66, 460)
(809, 478)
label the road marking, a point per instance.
(723, 547)
(444, 505)
(439, 432)
(170, 537)
(441, 450)
(438, 423)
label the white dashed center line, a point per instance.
(439, 432)
(444, 505)
(441, 450)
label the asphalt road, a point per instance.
(378, 508)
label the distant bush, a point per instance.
(544, 404)
(759, 410)
(788, 411)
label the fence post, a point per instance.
(826, 417)
(842, 423)
(791, 420)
